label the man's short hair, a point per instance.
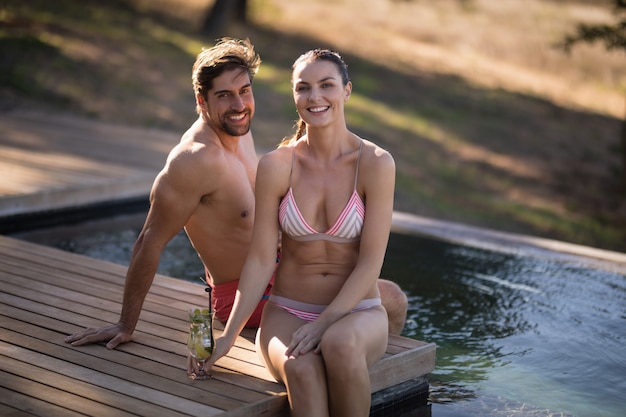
(227, 54)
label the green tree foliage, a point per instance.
(613, 36)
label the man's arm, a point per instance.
(173, 200)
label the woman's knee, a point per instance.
(342, 353)
(304, 370)
(338, 344)
(359, 343)
(307, 384)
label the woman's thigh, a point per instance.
(363, 333)
(277, 327)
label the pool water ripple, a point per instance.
(535, 333)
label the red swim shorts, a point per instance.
(223, 298)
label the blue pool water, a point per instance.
(517, 335)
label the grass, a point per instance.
(489, 124)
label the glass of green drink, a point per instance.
(200, 342)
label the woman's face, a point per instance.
(319, 93)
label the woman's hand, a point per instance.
(222, 347)
(306, 339)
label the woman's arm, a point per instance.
(378, 179)
(261, 260)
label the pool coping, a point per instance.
(407, 223)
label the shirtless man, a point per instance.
(207, 188)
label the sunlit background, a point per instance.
(490, 123)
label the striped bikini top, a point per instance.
(347, 227)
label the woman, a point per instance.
(324, 324)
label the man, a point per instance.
(207, 188)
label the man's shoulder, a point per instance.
(193, 167)
(196, 148)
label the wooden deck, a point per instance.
(48, 294)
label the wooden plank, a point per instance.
(46, 393)
(49, 304)
(169, 340)
(155, 377)
(78, 271)
(402, 367)
(22, 405)
(120, 363)
(155, 316)
(157, 350)
(88, 281)
(275, 406)
(81, 381)
(93, 364)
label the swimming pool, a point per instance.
(518, 334)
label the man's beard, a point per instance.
(236, 130)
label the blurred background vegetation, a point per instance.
(490, 123)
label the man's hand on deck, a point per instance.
(114, 335)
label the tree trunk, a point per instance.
(624, 156)
(222, 12)
(241, 11)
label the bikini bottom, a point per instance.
(310, 312)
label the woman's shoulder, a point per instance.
(279, 154)
(373, 153)
(377, 167)
(277, 160)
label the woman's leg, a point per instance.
(349, 347)
(304, 376)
